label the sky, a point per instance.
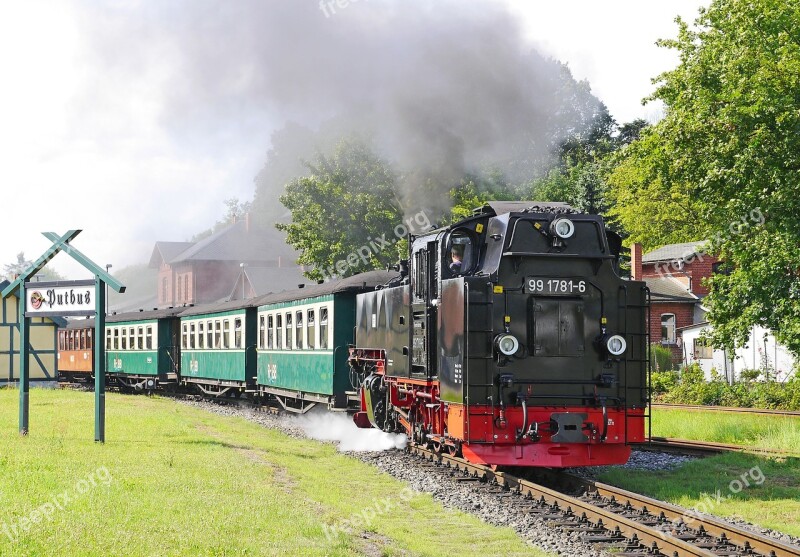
(97, 133)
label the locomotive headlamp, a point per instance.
(616, 345)
(507, 344)
(563, 228)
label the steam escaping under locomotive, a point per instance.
(511, 339)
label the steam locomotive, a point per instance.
(511, 340)
(508, 337)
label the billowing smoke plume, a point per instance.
(439, 88)
(328, 426)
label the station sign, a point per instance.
(62, 298)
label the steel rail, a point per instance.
(703, 448)
(744, 539)
(731, 409)
(636, 532)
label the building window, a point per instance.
(186, 287)
(179, 294)
(668, 328)
(164, 290)
(703, 350)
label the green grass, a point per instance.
(775, 503)
(174, 480)
(770, 432)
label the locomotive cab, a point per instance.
(513, 341)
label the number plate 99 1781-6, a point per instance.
(555, 286)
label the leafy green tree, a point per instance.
(723, 163)
(344, 213)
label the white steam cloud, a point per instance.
(339, 428)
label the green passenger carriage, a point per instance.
(218, 347)
(142, 349)
(303, 341)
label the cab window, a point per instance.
(460, 253)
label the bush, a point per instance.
(690, 387)
(663, 381)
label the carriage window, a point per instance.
(279, 333)
(201, 335)
(270, 332)
(132, 338)
(323, 328)
(226, 334)
(217, 334)
(191, 335)
(209, 334)
(61, 340)
(123, 335)
(312, 330)
(116, 339)
(89, 344)
(262, 330)
(140, 338)
(148, 344)
(298, 327)
(288, 343)
(185, 336)
(237, 333)
(108, 339)
(668, 328)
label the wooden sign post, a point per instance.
(64, 298)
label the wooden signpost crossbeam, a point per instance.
(31, 307)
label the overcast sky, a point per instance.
(84, 141)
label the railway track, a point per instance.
(631, 524)
(706, 448)
(758, 411)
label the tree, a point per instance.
(344, 213)
(12, 270)
(726, 154)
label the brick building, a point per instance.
(210, 269)
(674, 274)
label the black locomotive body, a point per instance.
(511, 339)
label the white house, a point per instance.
(761, 352)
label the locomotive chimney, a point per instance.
(636, 261)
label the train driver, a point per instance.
(456, 258)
